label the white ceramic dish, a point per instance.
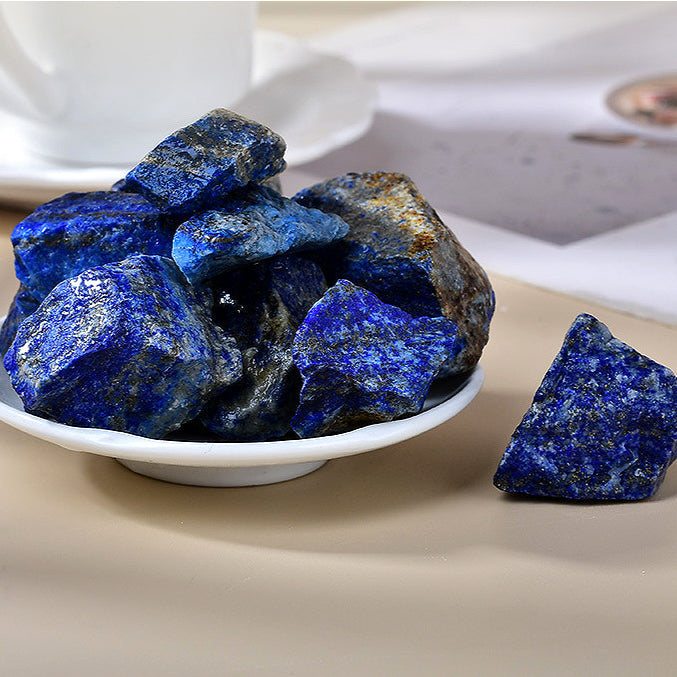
(222, 464)
(317, 102)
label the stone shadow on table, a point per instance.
(353, 504)
(434, 500)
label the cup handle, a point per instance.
(25, 89)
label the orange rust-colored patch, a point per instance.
(384, 181)
(423, 242)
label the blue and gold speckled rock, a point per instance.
(197, 166)
(262, 306)
(255, 224)
(399, 249)
(364, 361)
(77, 231)
(23, 304)
(603, 423)
(127, 346)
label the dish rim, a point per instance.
(241, 454)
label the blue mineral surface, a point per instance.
(262, 306)
(23, 305)
(399, 249)
(198, 165)
(256, 223)
(127, 346)
(77, 231)
(603, 423)
(364, 361)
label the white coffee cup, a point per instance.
(104, 82)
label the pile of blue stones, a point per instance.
(193, 299)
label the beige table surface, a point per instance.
(397, 562)
(401, 561)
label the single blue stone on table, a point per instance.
(77, 231)
(128, 346)
(198, 165)
(262, 306)
(256, 223)
(23, 305)
(399, 249)
(364, 361)
(603, 423)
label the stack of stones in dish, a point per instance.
(193, 296)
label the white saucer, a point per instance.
(223, 464)
(317, 102)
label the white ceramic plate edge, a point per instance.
(245, 454)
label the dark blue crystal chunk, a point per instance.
(603, 423)
(399, 249)
(128, 346)
(364, 361)
(195, 167)
(81, 230)
(255, 224)
(23, 305)
(262, 306)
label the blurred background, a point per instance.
(499, 112)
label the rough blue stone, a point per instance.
(603, 423)
(274, 182)
(364, 361)
(197, 166)
(255, 224)
(399, 249)
(23, 305)
(127, 346)
(262, 306)
(81, 230)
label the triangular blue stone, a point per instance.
(603, 423)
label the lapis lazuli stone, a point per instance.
(23, 305)
(603, 423)
(274, 182)
(128, 346)
(364, 361)
(399, 249)
(77, 231)
(262, 306)
(256, 223)
(197, 166)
